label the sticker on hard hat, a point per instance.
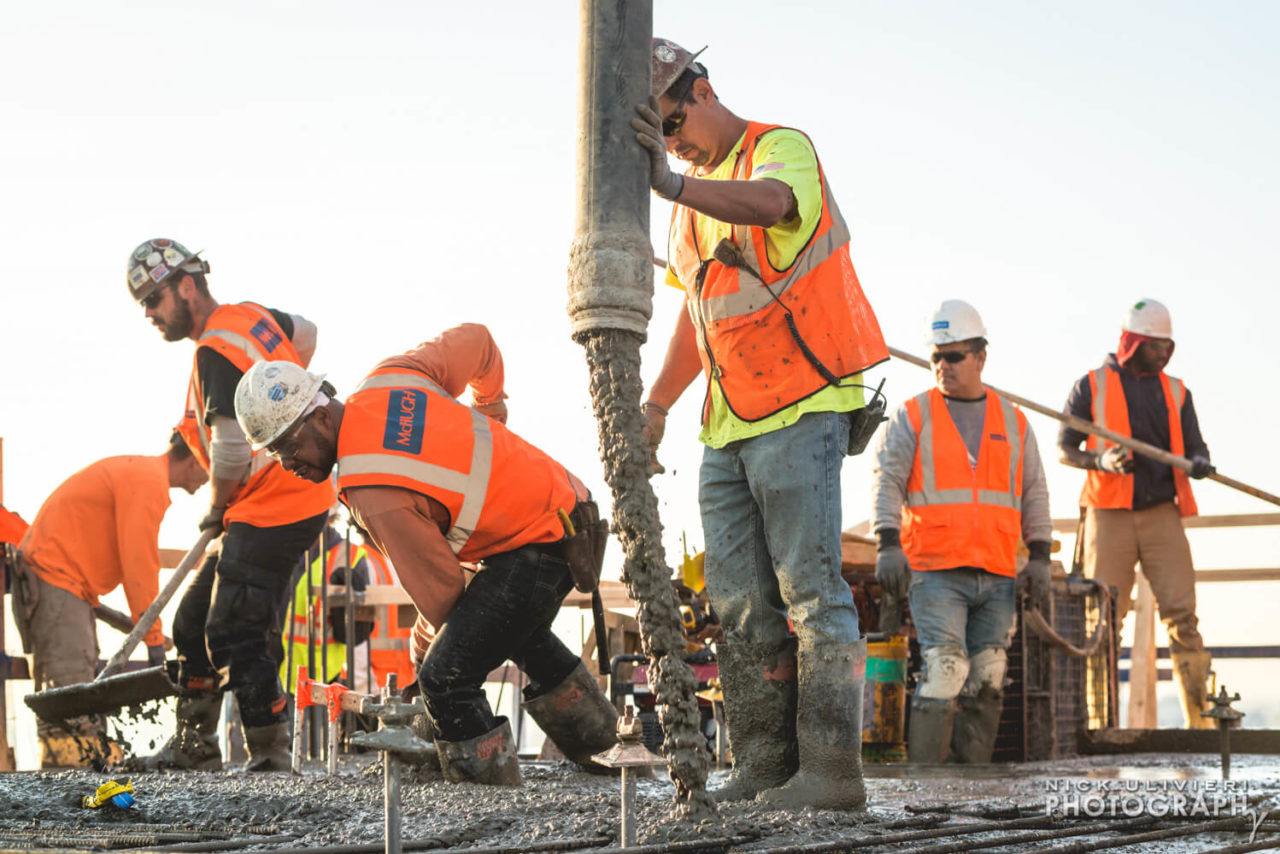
(138, 276)
(173, 257)
(406, 418)
(153, 259)
(142, 252)
(161, 242)
(942, 324)
(664, 53)
(159, 273)
(278, 392)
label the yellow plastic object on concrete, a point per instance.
(692, 571)
(884, 701)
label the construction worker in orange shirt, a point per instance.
(436, 484)
(96, 532)
(227, 627)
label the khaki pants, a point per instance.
(1116, 540)
(64, 646)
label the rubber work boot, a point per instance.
(268, 747)
(929, 740)
(828, 730)
(194, 745)
(1191, 671)
(759, 687)
(977, 721)
(489, 759)
(576, 716)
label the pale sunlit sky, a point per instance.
(389, 169)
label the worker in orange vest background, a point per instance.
(227, 627)
(97, 531)
(958, 483)
(1134, 505)
(775, 319)
(436, 484)
(390, 643)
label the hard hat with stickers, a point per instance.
(156, 261)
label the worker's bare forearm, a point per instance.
(680, 366)
(762, 203)
(224, 491)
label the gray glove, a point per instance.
(648, 127)
(892, 571)
(1033, 582)
(155, 655)
(655, 426)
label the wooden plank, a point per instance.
(1142, 671)
(1210, 576)
(1228, 520)
(1114, 740)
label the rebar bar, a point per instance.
(435, 843)
(1036, 836)
(909, 836)
(1226, 824)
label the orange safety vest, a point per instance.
(389, 642)
(1106, 490)
(741, 317)
(402, 429)
(961, 515)
(246, 333)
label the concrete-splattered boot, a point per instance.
(1191, 672)
(576, 716)
(194, 745)
(759, 686)
(268, 747)
(489, 759)
(929, 739)
(828, 730)
(977, 720)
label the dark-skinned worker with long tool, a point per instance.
(438, 486)
(958, 483)
(228, 623)
(1133, 506)
(97, 531)
(776, 321)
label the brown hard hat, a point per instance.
(668, 61)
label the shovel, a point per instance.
(108, 692)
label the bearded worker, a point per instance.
(439, 486)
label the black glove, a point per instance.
(213, 519)
(1201, 468)
(359, 578)
(1034, 579)
(155, 655)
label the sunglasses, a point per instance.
(152, 299)
(951, 357)
(671, 124)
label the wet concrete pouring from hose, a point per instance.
(557, 802)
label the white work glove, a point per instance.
(1116, 460)
(648, 127)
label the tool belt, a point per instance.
(25, 589)
(583, 545)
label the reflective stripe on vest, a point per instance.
(472, 485)
(1011, 498)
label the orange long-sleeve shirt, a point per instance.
(409, 527)
(99, 530)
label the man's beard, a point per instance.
(181, 324)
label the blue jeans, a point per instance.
(771, 518)
(967, 610)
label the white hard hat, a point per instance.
(955, 320)
(1149, 317)
(271, 397)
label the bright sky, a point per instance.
(389, 170)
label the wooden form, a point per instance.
(1142, 664)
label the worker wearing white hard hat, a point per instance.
(436, 484)
(1132, 505)
(959, 485)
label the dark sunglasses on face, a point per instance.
(671, 124)
(152, 299)
(951, 357)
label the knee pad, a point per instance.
(945, 672)
(986, 668)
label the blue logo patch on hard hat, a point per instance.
(942, 324)
(278, 392)
(406, 420)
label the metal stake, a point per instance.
(628, 754)
(393, 739)
(1227, 718)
